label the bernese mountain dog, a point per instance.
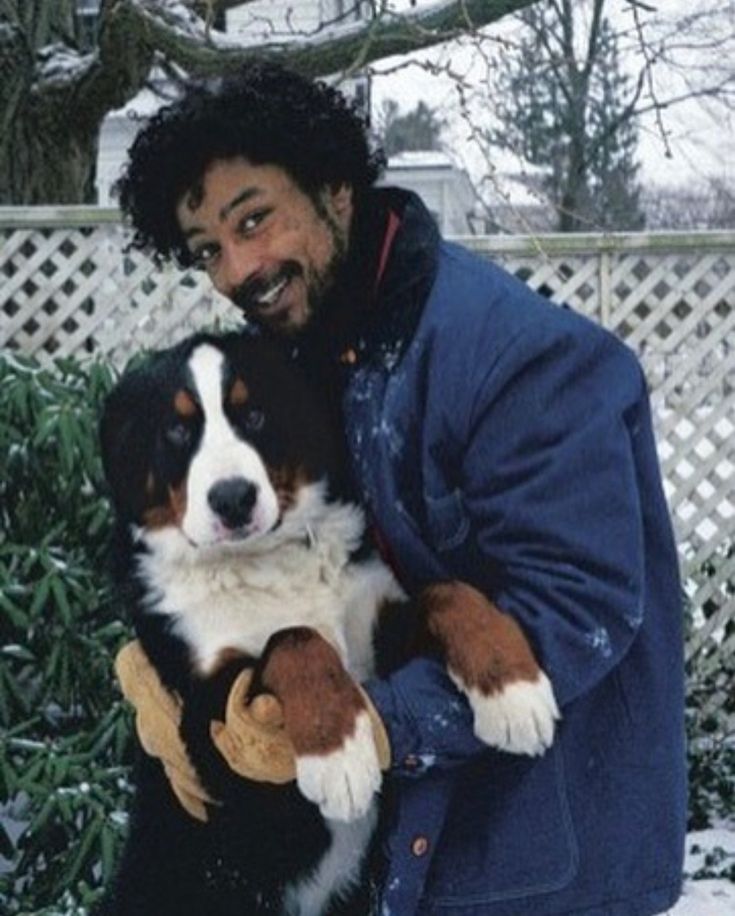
(236, 548)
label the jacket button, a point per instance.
(411, 762)
(420, 846)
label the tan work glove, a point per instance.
(267, 755)
(157, 721)
(380, 735)
(252, 740)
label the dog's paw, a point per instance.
(342, 782)
(520, 718)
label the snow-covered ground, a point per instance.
(708, 896)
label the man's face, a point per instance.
(266, 245)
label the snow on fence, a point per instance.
(68, 287)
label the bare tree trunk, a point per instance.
(573, 199)
(51, 162)
(53, 98)
(575, 195)
(575, 177)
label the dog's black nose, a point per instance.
(233, 500)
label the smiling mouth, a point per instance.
(263, 297)
(268, 298)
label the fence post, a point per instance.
(605, 269)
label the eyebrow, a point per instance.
(240, 198)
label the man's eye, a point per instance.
(179, 435)
(251, 222)
(204, 256)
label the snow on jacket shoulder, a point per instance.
(511, 447)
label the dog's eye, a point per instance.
(254, 420)
(178, 435)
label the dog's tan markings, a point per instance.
(177, 500)
(184, 403)
(484, 647)
(167, 514)
(238, 393)
(320, 700)
(286, 482)
(150, 485)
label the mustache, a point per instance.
(247, 297)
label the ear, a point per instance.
(341, 199)
(126, 439)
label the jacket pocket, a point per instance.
(508, 834)
(447, 523)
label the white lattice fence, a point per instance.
(68, 288)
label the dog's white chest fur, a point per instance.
(237, 598)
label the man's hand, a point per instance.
(251, 739)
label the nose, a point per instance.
(240, 263)
(233, 500)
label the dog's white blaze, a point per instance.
(520, 719)
(221, 455)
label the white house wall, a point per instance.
(444, 189)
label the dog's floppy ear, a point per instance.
(127, 437)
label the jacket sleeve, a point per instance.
(429, 723)
(553, 490)
(550, 489)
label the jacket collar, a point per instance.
(407, 279)
(375, 305)
(413, 256)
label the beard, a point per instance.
(255, 295)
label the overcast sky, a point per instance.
(701, 139)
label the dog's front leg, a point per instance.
(327, 718)
(490, 660)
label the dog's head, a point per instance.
(216, 439)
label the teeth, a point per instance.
(273, 293)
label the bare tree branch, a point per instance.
(593, 39)
(120, 67)
(639, 5)
(330, 50)
(565, 57)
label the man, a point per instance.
(497, 440)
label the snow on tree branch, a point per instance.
(178, 32)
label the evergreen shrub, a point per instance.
(711, 704)
(63, 727)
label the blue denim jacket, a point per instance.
(507, 442)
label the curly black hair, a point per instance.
(265, 113)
